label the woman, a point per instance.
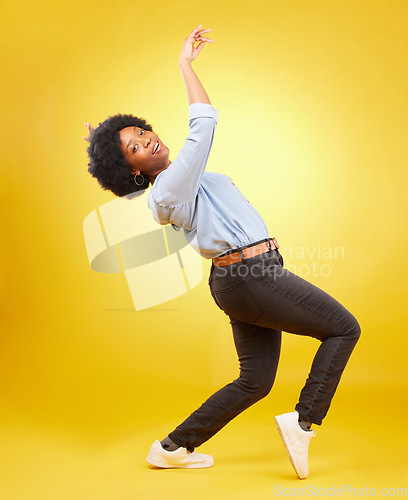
(247, 280)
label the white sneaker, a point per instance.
(296, 441)
(180, 458)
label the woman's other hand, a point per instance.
(90, 129)
(188, 51)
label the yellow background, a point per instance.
(312, 102)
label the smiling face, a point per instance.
(139, 147)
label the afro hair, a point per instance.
(107, 162)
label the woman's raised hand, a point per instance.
(188, 51)
(90, 129)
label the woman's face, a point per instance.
(139, 149)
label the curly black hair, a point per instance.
(107, 162)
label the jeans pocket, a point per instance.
(238, 301)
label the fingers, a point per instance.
(201, 38)
(203, 31)
(197, 32)
(199, 48)
(90, 129)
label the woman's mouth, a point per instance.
(156, 148)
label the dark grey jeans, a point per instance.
(262, 298)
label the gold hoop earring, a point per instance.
(143, 179)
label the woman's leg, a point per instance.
(258, 350)
(278, 299)
(262, 299)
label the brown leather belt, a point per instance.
(226, 260)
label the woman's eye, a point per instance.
(135, 146)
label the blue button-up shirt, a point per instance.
(215, 216)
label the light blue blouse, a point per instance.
(215, 216)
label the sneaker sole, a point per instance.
(166, 465)
(282, 435)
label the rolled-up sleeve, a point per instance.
(179, 183)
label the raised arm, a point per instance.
(179, 183)
(195, 90)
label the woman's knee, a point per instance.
(264, 389)
(352, 329)
(258, 390)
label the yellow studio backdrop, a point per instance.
(312, 102)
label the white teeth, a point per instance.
(156, 147)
